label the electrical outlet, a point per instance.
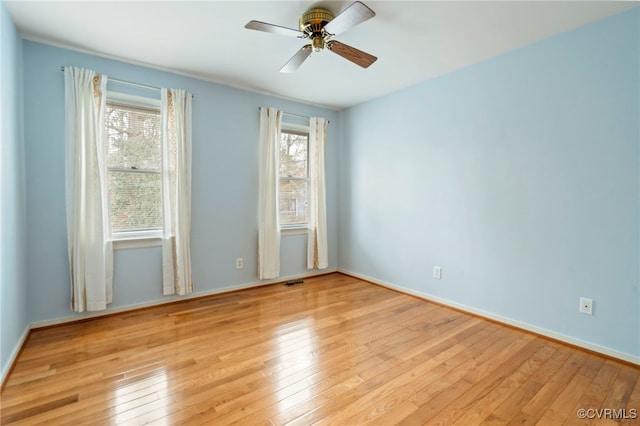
(239, 263)
(586, 306)
(437, 272)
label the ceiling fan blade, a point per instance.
(297, 59)
(270, 28)
(352, 54)
(350, 17)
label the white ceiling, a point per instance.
(414, 41)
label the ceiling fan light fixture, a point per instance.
(317, 43)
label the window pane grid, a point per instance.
(133, 136)
(136, 201)
(120, 169)
(293, 201)
(294, 178)
(134, 160)
(293, 155)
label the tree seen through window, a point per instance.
(294, 178)
(133, 136)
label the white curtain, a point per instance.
(268, 211)
(317, 254)
(88, 226)
(176, 191)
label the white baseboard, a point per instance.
(504, 320)
(12, 359)
(171, 299)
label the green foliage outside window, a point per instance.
(293, 177)
(134, 161)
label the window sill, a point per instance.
(294, 231)
(137, 239)
(137, 243)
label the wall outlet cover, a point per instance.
(437, 272)
(586, 306)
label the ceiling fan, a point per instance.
(320, 26)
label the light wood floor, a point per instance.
(334, 350)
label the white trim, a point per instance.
(293, 127)
(297, 228)
(137, 239)
(134, 100)
(294, 230)
(498, 318)
(14, 354)
(171, 299)
(135, 243)
(141, 234)
(123, 240)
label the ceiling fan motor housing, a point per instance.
(312, 22)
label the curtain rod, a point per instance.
(295, 115)
(131, 83)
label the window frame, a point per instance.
(143, 237)
(295, 228)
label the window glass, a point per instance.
(294, 178)
(134, 158)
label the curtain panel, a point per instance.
(88, 226)
(317, 251)
(268, 194)
(176, 191)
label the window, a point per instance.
(294, 176)
(134, 166)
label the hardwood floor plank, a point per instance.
(388, 377)
(23, 412)
(620, 393)
(557, 412)
(333, 351)
(283, 377)
(435, 398)
(502, 391)
(555, 384)
(632, 410)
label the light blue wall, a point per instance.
(224, 199)
(13, 282)
(519, 176)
